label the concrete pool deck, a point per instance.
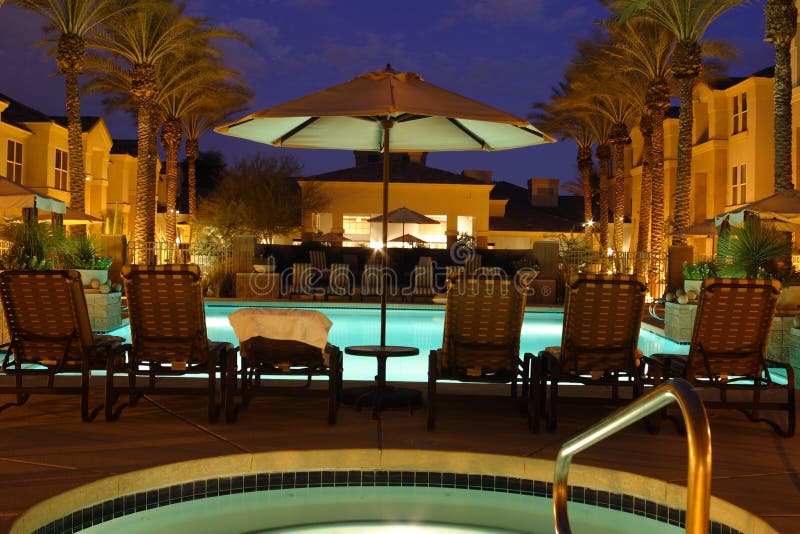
(46, 449)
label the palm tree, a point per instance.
(641, 48)
(73, 21)
(687, 21)
(781, 28)
(224, 101)
(137, 42)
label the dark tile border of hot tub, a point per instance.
(145, 500)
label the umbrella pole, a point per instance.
(387, 125)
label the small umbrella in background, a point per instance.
(72, 217)
(331, 238)
(386, 111)
(408, 238)
(706, 228)
(783, 206)
(404, 215)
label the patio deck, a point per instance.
(46, 449)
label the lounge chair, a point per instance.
(318, 260)
(285, 342)
(48, 322)
(602, 318)
(482, 325)
(728, 348)
(472, 263)
(371, 280)
(168, 338)
(422, 281)
(340, 282)
(304, 281)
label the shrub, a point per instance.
(699, 270)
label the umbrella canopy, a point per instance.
(387, 111)
(14, 195)
(783, 206)
(74, 216)
(405, 215)
(407, 238)
(705, 228)
(331, 237)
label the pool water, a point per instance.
(415, 327)
(388, 510)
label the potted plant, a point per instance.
(753, 250)
(80, 252)
(264, 264)
(695, 273)
(790, 288)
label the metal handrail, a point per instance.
(698, 434)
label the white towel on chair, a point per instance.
(309, 326)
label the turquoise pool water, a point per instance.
(415, 327)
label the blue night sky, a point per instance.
(506, 53)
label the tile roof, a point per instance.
(401, 172)
(18, 113)
(125, 146)
(521, 216)
(87, 122)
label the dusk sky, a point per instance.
(506, 53)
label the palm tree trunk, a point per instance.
(781, 27)
(603, 153)
(619, 137)
(682, 206)
(145, 221)
(171, 134)
(645, 194)
(77, 174)
(192, 153)
(585, 168)
(657, 211)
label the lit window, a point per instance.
(355, 225)
(61, 173)
(740, 113)
(739, 184)
(14, 165)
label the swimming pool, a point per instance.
(397, 490)
(419, 327)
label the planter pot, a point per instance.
(88, 275)
(789, 297)
(692, 285)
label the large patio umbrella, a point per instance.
(386, 111)
(783, 206)
(14, 195)
(404, 215)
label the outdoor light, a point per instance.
(88, 177)
(590, 223)
(375, 244)
(610, 251)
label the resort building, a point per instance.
(34, 147)
(497, 214)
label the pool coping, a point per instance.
(388, 460)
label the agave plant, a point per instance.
(30, 244)
(754, 250)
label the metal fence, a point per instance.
(651, 267)
(208, 256)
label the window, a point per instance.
(740, 113)
(739, 185)
(61, 170)
(14, 165)
(355, 225)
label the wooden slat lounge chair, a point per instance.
(602, 318)
(482, 326)
(318, 260)
(277, 358)
(371, 280)
(341, 281)
(728, 349)
(422, 282)
(472, 264)
(304, 281)
(168, 338)
(48, 322)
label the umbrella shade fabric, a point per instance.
(350, 116)
(405, 215)
(407, 238)
(783, 206)
(73, 216)
(14, 195)
(704, 228)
